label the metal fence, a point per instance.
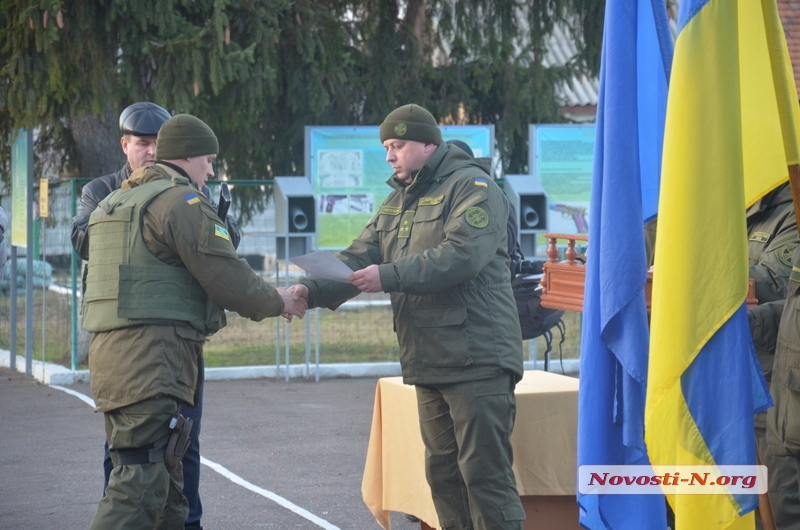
(360, 331)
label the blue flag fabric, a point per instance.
(635, 66)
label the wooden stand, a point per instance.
(563, 282)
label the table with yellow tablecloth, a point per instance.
(544, 441)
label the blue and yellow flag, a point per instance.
(635, 65)
(731, 132)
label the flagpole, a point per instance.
(764, 506)
(794, 181)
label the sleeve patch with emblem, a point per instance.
(785, 254)
(477, 217)
(192, 198)
(221, 232)
(481, 182)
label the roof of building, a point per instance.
(578, 96)
(789, 11)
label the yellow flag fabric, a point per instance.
(731, 131)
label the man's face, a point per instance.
(200, 168)
(140, 150)
(407, 156)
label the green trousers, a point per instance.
(783, 482)
(466, 428)
(141, 496)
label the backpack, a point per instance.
(534, 319)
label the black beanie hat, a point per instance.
(184, 136)
(411, 122)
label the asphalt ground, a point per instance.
(277, 455)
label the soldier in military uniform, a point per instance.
(161, 270)
(438, 245)
(772, 239)
(139, 124)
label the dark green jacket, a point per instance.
(772, 239)
(783, 420)
(441, 246)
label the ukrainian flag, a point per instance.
(731, 131)
(634, 72)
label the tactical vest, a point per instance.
(126, 284)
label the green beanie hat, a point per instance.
(184, 136)
(411, 122)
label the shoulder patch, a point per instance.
(481, 182)
(785, 254)
(760, 237)
(192, 198)
(477, 217)
(430, 201)
(222, 232)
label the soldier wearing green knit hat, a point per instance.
(438, 246)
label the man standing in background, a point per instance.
(139, 124)
(772, 240)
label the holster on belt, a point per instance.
(178, 441)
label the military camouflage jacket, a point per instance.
(441, 247)
(772, 239)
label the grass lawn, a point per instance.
(345, 336)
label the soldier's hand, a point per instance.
(299, 292)
(368, 279)
(293, 305)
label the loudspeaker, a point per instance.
(295, 215)
(294, 206)
(530, 201)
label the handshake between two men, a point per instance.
(295, 298)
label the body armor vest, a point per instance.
(126, 284)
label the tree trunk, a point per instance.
(96, 144)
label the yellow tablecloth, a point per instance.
(544, 440)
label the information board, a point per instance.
(21, 172)
(348, 172)
(561, 156)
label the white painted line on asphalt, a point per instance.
(83, 397)
(236, 479)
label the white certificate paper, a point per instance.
(323, 264)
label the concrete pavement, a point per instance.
(277, 455)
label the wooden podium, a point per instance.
(563, 282)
